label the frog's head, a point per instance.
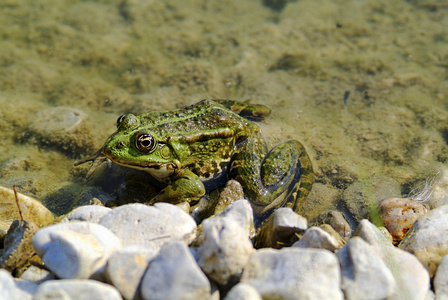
(136, 147)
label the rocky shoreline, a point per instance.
(136, 251)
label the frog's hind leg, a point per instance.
(247, 110)
(286, 176)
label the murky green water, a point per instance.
(362, 84)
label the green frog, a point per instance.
(197, 148)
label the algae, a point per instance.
(389, 59)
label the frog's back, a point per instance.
(199, 119)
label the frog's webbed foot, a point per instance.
(97, 158)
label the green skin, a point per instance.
(185, 148)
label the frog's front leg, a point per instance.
(186, 186)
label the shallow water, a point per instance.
(362, 84)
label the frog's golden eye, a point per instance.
(120, 120)
(145, 142)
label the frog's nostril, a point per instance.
(120, 145)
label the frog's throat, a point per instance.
(161, 172)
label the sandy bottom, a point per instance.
(362, 84)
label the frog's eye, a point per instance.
(120, 120)
(145, 142)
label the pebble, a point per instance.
(74, 289)
(65, 128)
(7, 285)
(316, 237)
(441, 279)
(25, 289)
(18, 249)
(125, 269)
(224, 251)
(75, 249)
(233, 191)
(242, 213)
(10, 289)
(427, 238)
(174, 274)
(32, 210)
(341, 241)
(90, 213)
(243, 291)
(294, 273)
(398, 215)
(281, 229)
(36, 274)
(411, 277)
(364, 274)
(150, 226)
(336, 220)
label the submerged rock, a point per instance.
(398, 215)
(336, 220)
(65, 128)
(32, 210)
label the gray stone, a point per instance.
(441, 279)
(76, 289)
(364, 274)
(66, 128)
(427, 238)
(25, 289)
(336, 220)
(17, 246)
(150, 226)
(243, 291)
(174, 274)
(36, 274)
(125, 269)
(411, 277)
(281, 229)
(7, 285)
(75, 249)
(316, 237)
(241, 211)
(90, 213)
(225, 250)
(294, 273)
(32, 209)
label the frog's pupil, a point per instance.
(145, 142)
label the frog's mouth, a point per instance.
(161, 172)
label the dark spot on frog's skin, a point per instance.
(206, 175)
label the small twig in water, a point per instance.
(17, 201)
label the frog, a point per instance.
(197, 148)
